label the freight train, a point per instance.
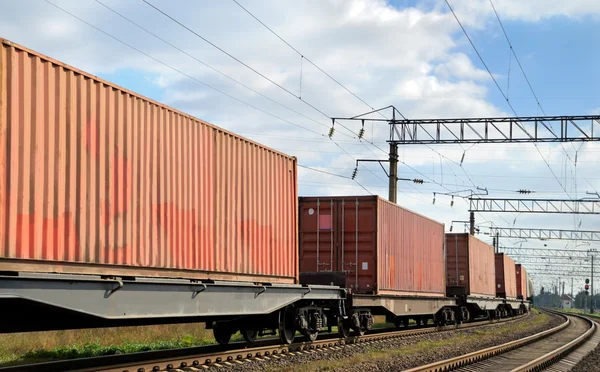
(116, 210)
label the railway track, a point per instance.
(558, 348)
(197, 358)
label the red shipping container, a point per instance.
(506, 277)
(521, 281)
(470, 265)
(96, 179)
(383, 248)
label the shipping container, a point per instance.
(470, 266)
(506, 277)
(521, 281)
(97, 179)
(383, 248)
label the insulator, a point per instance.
(331, 131)
(452, 201)
(463, 157)
(418, 180)
(354, 173)
(361, 133)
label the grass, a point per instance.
(20, 348)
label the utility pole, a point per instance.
(572, 294)
(472, 223)
(393, 186)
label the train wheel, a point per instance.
(287, 330)
(249, 334)
(222, 333)
(343, 328)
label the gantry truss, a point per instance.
(497, 130)
(562, 206)
(544, 234)
(562, 273)
(543, 252)
(541, 260)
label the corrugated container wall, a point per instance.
(382, 247)
(506, 277)
(96, 179)
(470, 265)
(521, 281)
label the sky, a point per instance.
(406, 53)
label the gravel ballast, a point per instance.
(400, 354)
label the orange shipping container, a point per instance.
(470, 265)
(96, 179)
(506, 277)
(382, 247)
(521, 281)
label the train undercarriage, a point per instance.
(40, 302)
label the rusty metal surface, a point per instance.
(521, 273)
(95, 174)
(470, 264)
(382, 247)
(506, 277)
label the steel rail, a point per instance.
(535, 365)
(236, 356)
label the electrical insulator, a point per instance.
(452, 201)
(361, 133)
(354, 173)
(433, 198)
(331, 131)
(418, 180)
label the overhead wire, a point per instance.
(241, 62)
(211, 67)
(501, 91)
(303, 56)
(181, 72)
(512, 49)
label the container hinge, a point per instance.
(262, 290)
(199, 290)
(111, 291)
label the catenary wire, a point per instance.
(211, 67)
(181, 72)
(501, 91)
(320, 69)
(242, 62)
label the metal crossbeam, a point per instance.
(543, 252)
(544, 234)
(561, 206)
(497, 130)
(541, 260)
(561, 273)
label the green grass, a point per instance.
(19, 348)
